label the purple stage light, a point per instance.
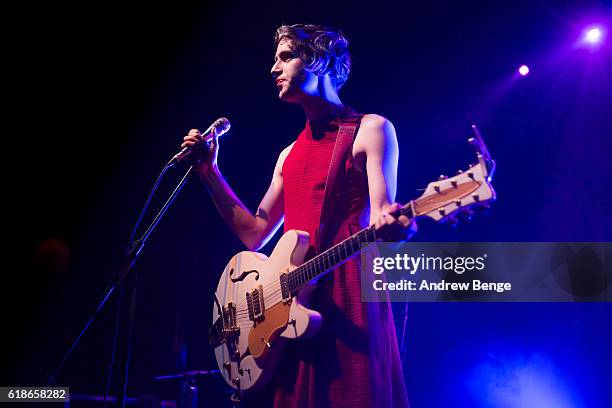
(524, 70)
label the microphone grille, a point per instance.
(222, 125)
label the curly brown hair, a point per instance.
(324, 50)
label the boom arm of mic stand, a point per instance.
(126, 266)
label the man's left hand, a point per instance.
(392, 229)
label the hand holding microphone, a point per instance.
(202, 147)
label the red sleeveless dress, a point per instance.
(354, 360)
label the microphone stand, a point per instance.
(118, 279)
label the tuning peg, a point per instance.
(437, 188)
(442, 211)
(454, 183)
(470, 175)
(476, 197)
(442, 177)
(458, 202)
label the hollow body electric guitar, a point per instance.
(261, 302)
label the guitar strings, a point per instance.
(327, 259)
(304, 275)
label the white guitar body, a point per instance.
(260, 343)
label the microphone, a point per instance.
(219, 126)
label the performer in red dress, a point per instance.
(354, 360)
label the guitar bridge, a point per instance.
(255, 304)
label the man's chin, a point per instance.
(286, 97)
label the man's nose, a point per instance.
(275, 71)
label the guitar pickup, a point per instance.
(285, 290)
(255, 304)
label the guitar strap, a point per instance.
(342, 149)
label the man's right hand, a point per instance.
(203, 157)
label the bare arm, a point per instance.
(376, 138)
(253, 230)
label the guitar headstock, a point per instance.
(449, 197)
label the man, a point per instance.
(353, 361)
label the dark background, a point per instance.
(103, 94)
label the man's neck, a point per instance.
(323, 106)
(322, 109)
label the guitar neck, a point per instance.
(335, 256)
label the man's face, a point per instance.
(289, 71)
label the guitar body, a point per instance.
(261, 303)
(248, 356)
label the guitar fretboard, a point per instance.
(335, 256)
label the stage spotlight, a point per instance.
(593, 35)
(523, 70)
